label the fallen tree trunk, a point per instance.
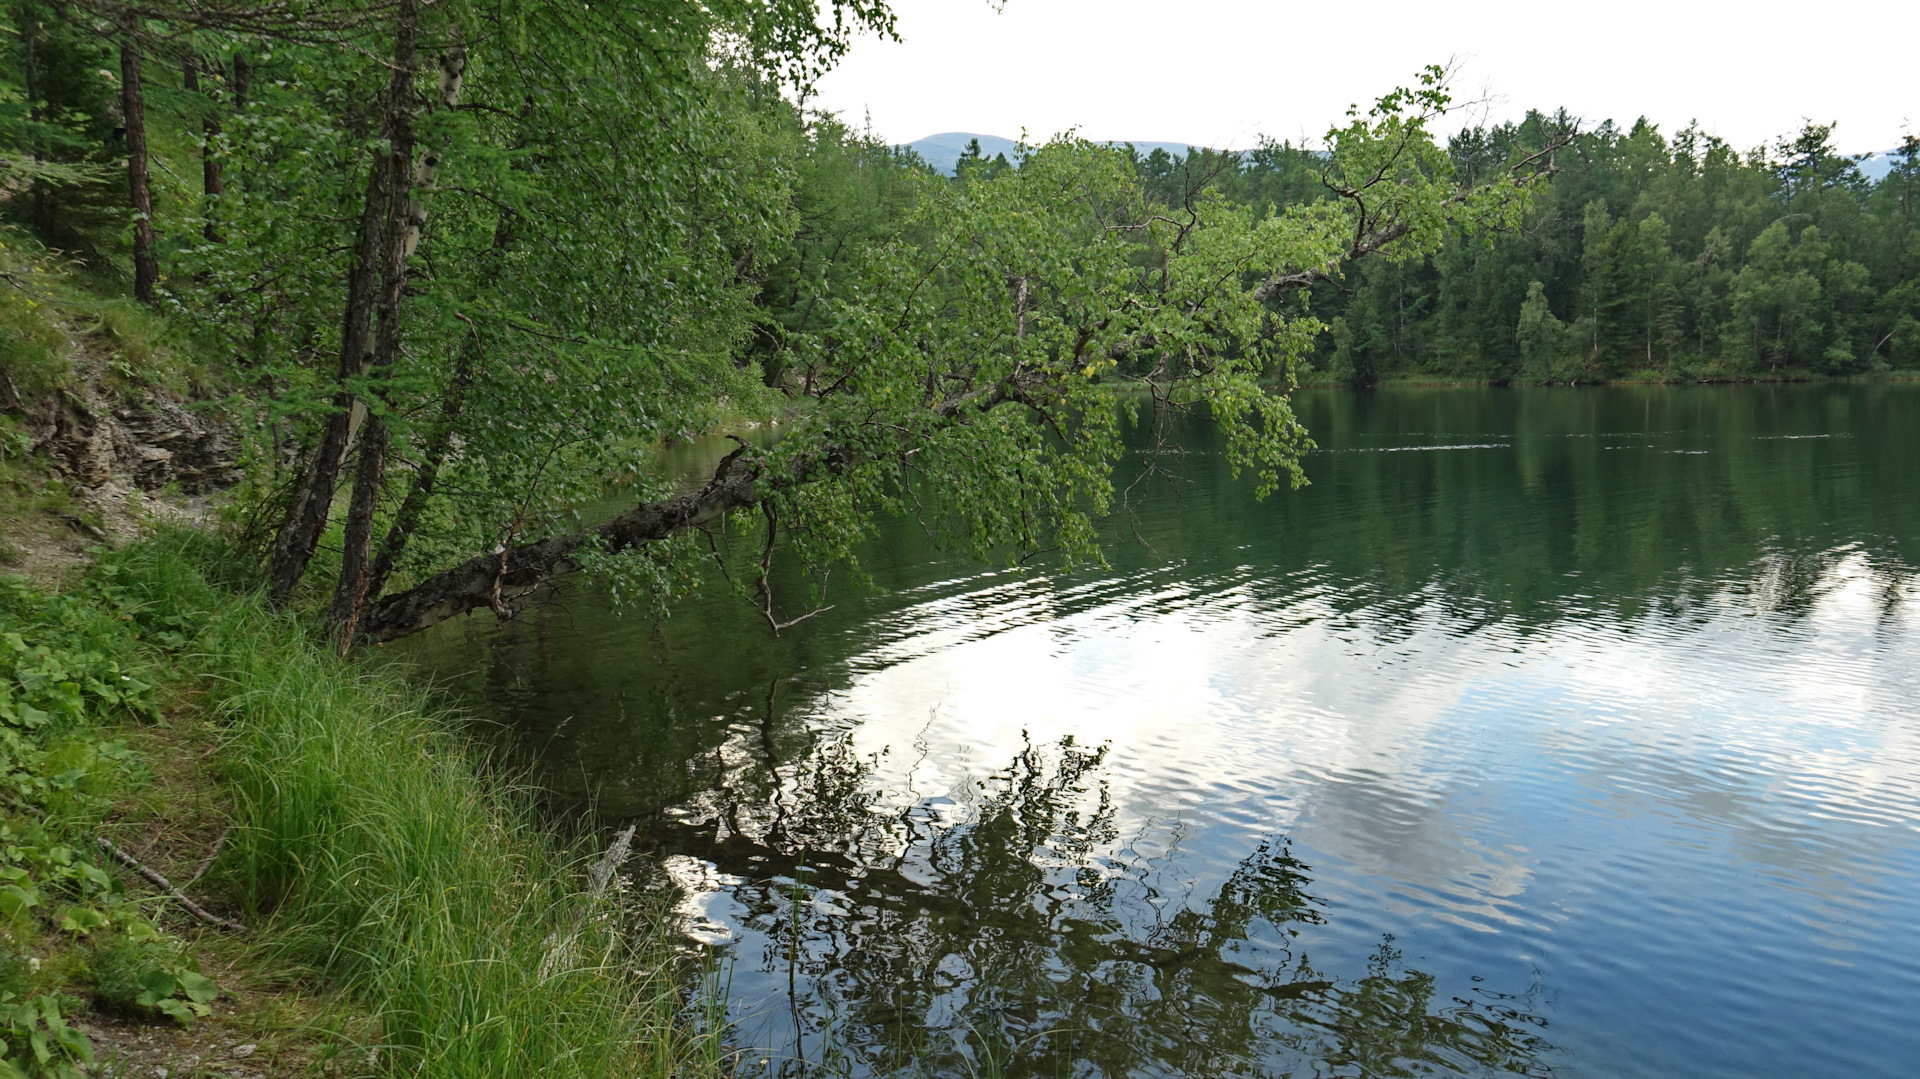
(489, 580)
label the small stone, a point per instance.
(160, 1073)
(245, 1050)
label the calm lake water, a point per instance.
(1569, 732)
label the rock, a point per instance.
(147, 443)
(245, 1050)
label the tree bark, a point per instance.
(489, 579)
(42, 198)
(350, 591)
(439, 443)
(211, 184)
(408, 217)
(133, 116)
(307, 514)
(242, 75)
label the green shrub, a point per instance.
(69, 673)
(137, 973)
(33, 349)
(39, 1042)
(370, 850)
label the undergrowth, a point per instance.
(374, 851)
(371, 849)
(68, 925)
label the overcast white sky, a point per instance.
(1222, 72)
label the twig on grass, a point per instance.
(165, 885)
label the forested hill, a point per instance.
(1646, 255)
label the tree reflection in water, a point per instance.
(1010, 928)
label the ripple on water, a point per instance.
(1492, 744)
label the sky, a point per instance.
(1223, 72)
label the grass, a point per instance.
(374, 853)
(33, 349)
(53, 312)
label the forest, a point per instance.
(1644, 257)
(463, 264)
(438, 255)
(423, 289)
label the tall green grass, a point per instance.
(372, 849)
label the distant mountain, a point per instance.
(1873, 166)
(943, 151)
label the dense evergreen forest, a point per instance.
(1644, 257)
(1653, 256)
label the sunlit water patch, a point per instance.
(1589, 750)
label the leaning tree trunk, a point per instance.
(306, 517)
(407, 216)
(427, 476)
(490, 580)
(133, 115)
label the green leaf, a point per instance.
(65, 696)
(83, 920)
(75, 1043)
(158, 984)
(198, 987)
(14, 900)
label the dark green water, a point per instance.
(1549, 731)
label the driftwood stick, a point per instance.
(602, 874)
(165, 885)
(560, 948)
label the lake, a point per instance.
(1549, 731)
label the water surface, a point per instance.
(1560, 731)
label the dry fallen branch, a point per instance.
(602, 874)
(166, 886)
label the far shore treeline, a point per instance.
(1646, 256)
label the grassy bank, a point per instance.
(370, 851)
(1327, 380)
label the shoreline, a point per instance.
(406, 907)
(1422, 381)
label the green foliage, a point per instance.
(68, 674)
(33, 348)
(1658, 257)
(39, 1041)
(850, 190)
(973, 367)
(58, 94)
(372, 854)
(141, 972)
